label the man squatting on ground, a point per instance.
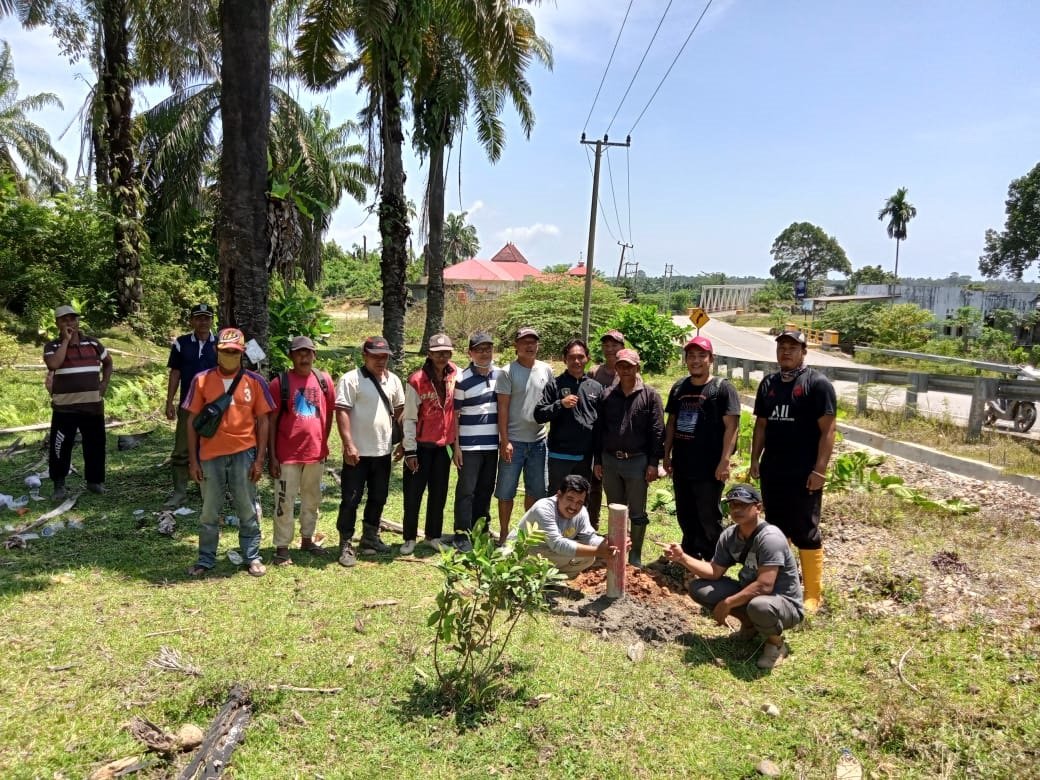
(429, 426)
(605, 373)
(570, 404)
(629, 445)
(232, 460)
(699, 438)
(790, 449)
(368, 400)
(189, 354)
(82, 368)
(521, 438)
(476, 434)
(571, 543)
(766, 597)
(299, 444)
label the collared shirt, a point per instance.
(476, 405)
(77, 381)
(191, 356)
(633, 423)
(371, 426)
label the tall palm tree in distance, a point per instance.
(21, 139)
(899, 211)
(460, 239)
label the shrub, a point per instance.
(294, 311)
(856, 323)
(903, 326)
(653, 335)
(8, 350)
(349, 275)
(169, 294)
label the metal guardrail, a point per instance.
(979, 388)
(981, 365)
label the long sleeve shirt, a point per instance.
(632, 424)
(562, 536)
(570, 430)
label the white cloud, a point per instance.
(475, 207)
(515, 234)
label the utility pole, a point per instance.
(592, 229)
(634, 273)
(668, 268)
(621, 262)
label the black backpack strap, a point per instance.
(283, 386)
(747, 544)
(320, 376)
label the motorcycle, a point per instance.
(1022, 414)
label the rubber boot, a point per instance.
(638, 534)
(812, 578)
(180, 488)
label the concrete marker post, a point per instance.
(617, 536)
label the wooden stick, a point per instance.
(65, 506)
(298, 689)
(902, 677)
(46, 426)
(171, 631)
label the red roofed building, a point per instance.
(578, 270)
(504, 272)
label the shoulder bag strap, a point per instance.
(379, 389)
(747, 545)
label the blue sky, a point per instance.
(776, 112)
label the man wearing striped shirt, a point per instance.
(82, 368)
(476, 435)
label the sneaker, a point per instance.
(346, 555)
(437, 544)
(59, 494)
(463, 544)
(97, 487)
(408, 547)
(772, 655)
(373, 545)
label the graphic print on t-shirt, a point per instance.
(689, 413)
(303, 406)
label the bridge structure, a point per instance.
(727, 297)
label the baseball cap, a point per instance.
(480, 337)
(524, 332)
(616, 335)
(63, 311)
(439, 343)
(376, 345)
(628, 356)
(301, 342)
(743, 493)
(796, 335)
(201, 308)
(231, 339)
(700, 341)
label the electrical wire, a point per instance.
(599, 203)
(628, 188)
(665, 76)
(606, 69)
(639, 67)
(613, 195)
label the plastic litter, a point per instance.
(848, 768)
(75, 524)
(138, 512)
(33, 481)
(51, 528)
(231, 520)
(184, 510)
(235, 557)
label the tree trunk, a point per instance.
(123, 188)
(245, 106)
(285, 239)
(435, 248)
(393, 217)
(896, 273)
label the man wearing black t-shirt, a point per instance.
(791, 447)
(703, 420)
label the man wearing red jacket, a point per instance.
(429, 425)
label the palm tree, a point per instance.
(899, 212)
(467, 61)
(460, 239)
(21, 139)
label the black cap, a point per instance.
(201, 308)
(794, 335)
(376, 345)
(480, 337)
(744, 493)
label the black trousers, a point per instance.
(793, 509)
(699, 514)
(474, 489)
(559, 468)
(432, 478)
(373, 473)
(64, 426)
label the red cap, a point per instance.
(699, 341)
(616, 335)
(628, 356)
(231, 339)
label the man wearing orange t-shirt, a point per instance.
(232, 459)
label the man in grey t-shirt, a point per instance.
(766, 597)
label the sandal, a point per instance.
(256, 568)
(312, 548)
(282, 560)
(197, 571)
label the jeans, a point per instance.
(770, 615)
(624, 482)
(529, 458)
(474, 488)
(372, 472)
(63, 436)
(431, 478)
(699, 514)
(303, 480)
(228, 473)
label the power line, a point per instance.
(609, 61)
(628, 188)
(638, 67)
(606, 224)
(613, 194)
(665, 76)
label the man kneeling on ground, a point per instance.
(570, 543)
(766, 597)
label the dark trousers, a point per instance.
(64, 426)
(474, 488)
(595, 500)
(699, 514)
(431, 477)
(559, 468)
(793, 509)
(372, 473)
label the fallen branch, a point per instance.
(17, 447)
(298, 689)
(64, 668)
(381, 603)
(47, 426)
(171, 631)
(63, 507)
(902, 677)
(170, 660)
(221, 738)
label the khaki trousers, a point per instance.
(303, 479)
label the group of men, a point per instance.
(569, 437)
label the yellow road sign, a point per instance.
(699, 317)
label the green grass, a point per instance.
(96, 600)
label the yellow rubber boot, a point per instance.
(812, 578)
